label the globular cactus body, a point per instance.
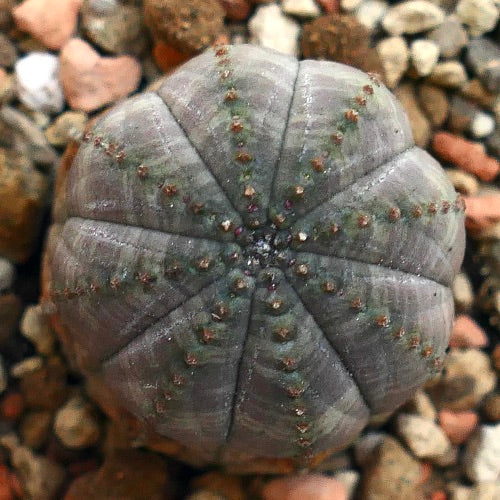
(256, 258)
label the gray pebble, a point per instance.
(483, 57)
(8, 52)
(450, 36)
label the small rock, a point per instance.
(482, 125)
(8, 52)
(301, 8)
(366, 447)
(167, 58)
(22, 198)
(35, 428)
(227, 485)
(466, 184)
(269, 27)
(424, 438)
(350, 5)
(467, 333)
(309, 487)
(462, 113)
(3, 376)
(467, 155)
(38, 84)
(424, 56)
(491, 407)
(350, 480)
(420, 126)
(458, 426)
(342, 39)
(7, 91)
(392, 474)
(394, 55)
(205, 495)
(11, 307)
(129, 475)
(450, 74)
(68, 126)
(91, 81)
(371, 12)
(462, 291)
(482, 455)
(52, 22)
(187, 25)
(12, 406)
(26, 366)
(115, 27)
(477, 92)
(75, 424)
(467, 378)
(412, 16)
(7, 274)
(30, 139)
(450, 37)
(422, 405)
(480, 16)
(236, 10)
(35, 327)
(483, 56)
(482, 491)
(330, 6)
(434, 103)
(6, 7)
(482, 212)
(493, 144)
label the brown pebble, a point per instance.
(167, 58)
(236, 10)
(434, 103)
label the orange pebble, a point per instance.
(467, 155)
(438, 495)
(168, 58)
(12, 406)
(482, 211)
(467, 333)
(458, 425)
(309, 487)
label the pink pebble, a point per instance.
(458, 425)
(91, 81)
(310, 487)
(52, 22)
(467, 333)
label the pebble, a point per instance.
(482, 212)
(450, 74)
(330, 6)
(269, 27)
(116, 27)
(420, 125)
(467, 333)
(413, 16)
(450, 37)
(38, 86)
(7, 87)
(458, 426)
(167, 58)
(236, 10)
(394, 55)
(467, 155)
(482, 491)
(75, 424)
(392, 474)
(23, 192)
(467, 378)
(475, 91)
(3, 376)
(482, 125)
(483, 57)
(52, 22)
(421, 404)
(188, 25)
(482, 455)
(91, 81)
(366, 447)
(350, 479)
(6, 7)
(40, 477)
(26, 366)
(434, 103)
(424, 437)
(424, 56)
(480, 16)
(350, 5)
(11, 307)
(12, 406)
(228, 485)
(7, 274)
(127, 474)
(342, 39)
(32, 140)
(301, 8)
(8, 51)
(35, 327)
(371, 12)
(491, 407)
(308, 487)
(35, 428)
(67, 126)
(466, 184)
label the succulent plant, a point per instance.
(256, 259)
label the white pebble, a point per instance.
(482, 125)
(413, 16)
(394, 55)
(480, 16)
(371, 12)
(301, 8)
(350, 5)
(482, 456)
(27, 365)
(38, 86)
(424, 55)
(270, 28)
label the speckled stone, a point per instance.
(450, 37)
